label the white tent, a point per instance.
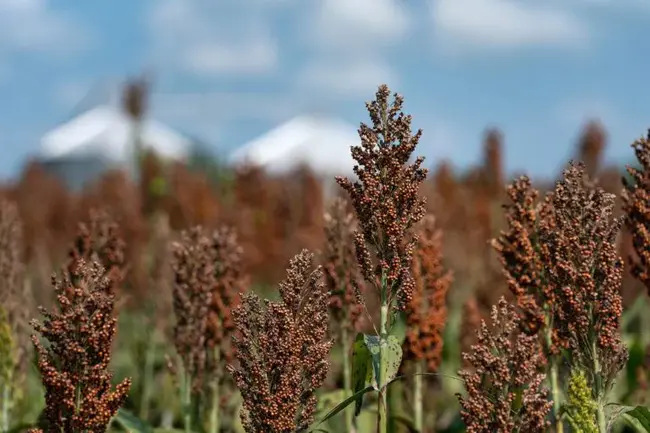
(106, 132)
(319, 142)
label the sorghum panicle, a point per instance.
(341, 272)
(493, 162)
(99, 240)
(74, 364)
(229, 282)
(581, 406)
(586, 272)
(282, 351)
(524, 257)
(636, 197)
(591, 147)
(505, 364)
(385, 197)
(426, 314)
(194, 280)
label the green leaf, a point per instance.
(391, 363)
(398, 330)
(361, 369)
(329, 399)
(132, 423)
(345, 403)
(636, 360)
(642, 416)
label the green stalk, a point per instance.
(147, 379)
(4, 426)
(600, 410)
(554, 377)
(555, 395)
(186, 391)
(214, 425)
(347, 379)
(382, 409)
(417, 397)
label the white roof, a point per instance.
(321, 143)
(106, 131)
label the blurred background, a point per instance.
(241, 111)
(225, 73)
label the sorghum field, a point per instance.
(412, 300)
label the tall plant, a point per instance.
(387, 204)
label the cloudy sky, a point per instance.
(228, 70)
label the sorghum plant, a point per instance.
(16, 305)
(504, 386)
(230, 281)
(208, 281)
(157, 313)
(525, 259)
(586, 274)
(281, 350)
(387, 204)
(426, 313)
(636, 197)
(343, 281)
(99, 240)
(74, 363)
(194, 280)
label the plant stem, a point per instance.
(214, 425)
(382, 409)
(555, 395)
(554, 379)
(147, 379)
(347, 379)
(4, 418)
(600, 410)
(187, 402)
(417, 396)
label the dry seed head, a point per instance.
(426, 314)
(505, 362)
(282, 351)
(636, 197)
(80, 337)
(385, 197)
(524, 257)
(194, 279)
(586, 272)
(99, 240)
(230, 281)
(342, 276)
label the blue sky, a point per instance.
(229, 70)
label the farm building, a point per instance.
(319, 142)
(101, 137)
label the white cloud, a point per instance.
(207, 38)
(34, 26)
(226, 106)
(352, 78)
(348, 41)
(505, 24)
(360, 24)
(252, 56)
